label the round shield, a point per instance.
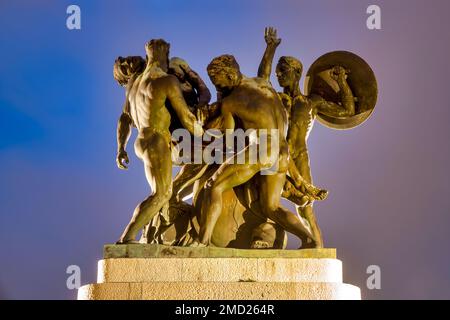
(360, 78)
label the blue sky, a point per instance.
(62, 196)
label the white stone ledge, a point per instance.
(219, 291)
(219, 270)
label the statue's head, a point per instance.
(224, 72)
(288, 71)
(178, 67)
(125, 68)
(157, 51)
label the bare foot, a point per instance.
(127, 242)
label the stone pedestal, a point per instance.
(157, 272)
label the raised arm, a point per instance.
(187, 118)
(123, 135)
(332, 109)
(265, 67)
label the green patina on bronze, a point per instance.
(163, 251)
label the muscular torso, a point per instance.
(257, 106)
(146, 99)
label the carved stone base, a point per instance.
(156, 272)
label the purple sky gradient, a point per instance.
(62, 196)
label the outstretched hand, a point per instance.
(122, 157)
(270, 35)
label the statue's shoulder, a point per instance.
(261, 81)
(154, 73)
(256, 83)
(169, 80)
(160, 82)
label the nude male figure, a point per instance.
(197, 96)
(255, 104)
(302, 113)
(145, 108)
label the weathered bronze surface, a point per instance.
(361, 79)
(163, 251)
(234, 205)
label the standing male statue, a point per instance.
(145, 108)
(255, 105)
(302, 113)
(197, 97)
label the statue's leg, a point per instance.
(185, 178)
(270, 196)
(308, 214)
(182, 186)
(156, 155)
(149, 233)
(302, 163)
(228, 176)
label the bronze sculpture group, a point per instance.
(234, 205)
